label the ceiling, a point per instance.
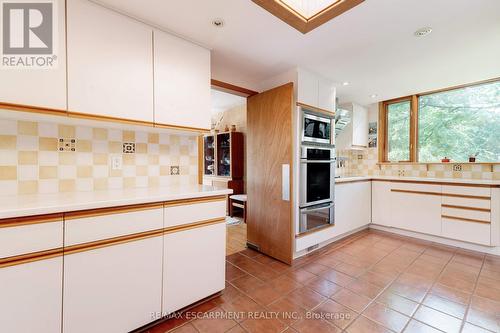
(371, 46)
(222, 101)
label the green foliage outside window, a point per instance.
(398, 129)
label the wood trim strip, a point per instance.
(434, 183)
(465, 219)
(228, 87)
(32, 109)
(30, 257)
(353, 181)
(111, 210)
(316, 109)
(80, 115)
(182, 128)
(194, 201)
(479, 197)
(416, 192)
(27, 220)
(194, 225)
(487, 210)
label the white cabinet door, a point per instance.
(39, 87)
(352, 206)
(359, 126)
(113, 289)
(182, 82)
(414, 208)
(194, 265)
(31, 297)
(307, 88)
(326, 95)
(110, 63)
(381, 203)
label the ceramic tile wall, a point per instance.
(367, 166)
(30, 160)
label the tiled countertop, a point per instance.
(37, 204)
(457, 181)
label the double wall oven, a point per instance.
(316, 172)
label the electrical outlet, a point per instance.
(174, 170)
(66, 144)
(116, 162)
(457, 167)
(401, 173)
(129, 147)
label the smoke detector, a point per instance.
(423, 32)
(218, 23)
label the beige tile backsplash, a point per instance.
(364, 163)
(30, 161)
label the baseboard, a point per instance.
(495, 250)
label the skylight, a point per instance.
(308, 8)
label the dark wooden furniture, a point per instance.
(269, 152)
(239, 201)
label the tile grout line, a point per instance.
(472, 295)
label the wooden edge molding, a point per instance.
(27, 220)
(309, 232)
(30, 257)
(194, 201)
(80, 115)
(231, 88)
(315, 109)
(415, 192)
(479, 197)
(182, 128)
(487, 210)
(189, 226)
(427, 182)
(32, 109)
(111, 210)
(353, 181)
(463, 219)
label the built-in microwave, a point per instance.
(316, 129)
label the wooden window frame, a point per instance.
(383, 114)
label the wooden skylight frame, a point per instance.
(305, 24)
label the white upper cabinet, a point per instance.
(39, 87)
(181, 82)
(110, 63)
(315, 90)
(355, 133)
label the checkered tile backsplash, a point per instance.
(364, 163)
(33, 159)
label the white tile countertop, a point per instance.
(38, 204)
(457, 181)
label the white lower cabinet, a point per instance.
(352, 205)
(113, 289)
(479, 233)
(194, 265)
(31, 297)
(381, 204)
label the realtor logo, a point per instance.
(28, 34)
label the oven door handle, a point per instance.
(316, 161)
(316, 209)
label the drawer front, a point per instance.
(395, 186)
(189, 213)
(24, 239)
(466, 231)
(97, 227)
(466, 202)
(467, 190)
(466, 213)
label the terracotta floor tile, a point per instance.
(398, 303)
(450, 293)
(418, 327)
(468, 259)
(402, 289)
(263, 259)
(487, 291)
(288, 311)
(247, 283)
(263, 325)
(236, 329)
(433, 259)
(279, 267)
(328, 261)
(212, 322)
(469, 328)
(453, 282)
(337, 277)
(336, 313)
(483, 319)
(264, 294)
(323, 286)
(229, 293)
(233, 272)
(187, 328)
(365, 325)
(449, 307)
(284, 284)
(315, 326)
(485, 305)
(385, 316)
(349, 269)
(351, 300)
(315, 268)
(306, 298)
(438, 319)
(415, 281)
(490, 274)
(300, 275)
(250, 253)
(242, 305)
(381, 280)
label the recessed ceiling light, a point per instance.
(423, 32)
(218, 23)
(345, 83)
(373, 95)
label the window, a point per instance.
(456, 123)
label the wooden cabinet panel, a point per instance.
(44, 88)
(110, 63)
(194, 265)
(182, 82)
(269, 220)
(31, 297)
(113, 289)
